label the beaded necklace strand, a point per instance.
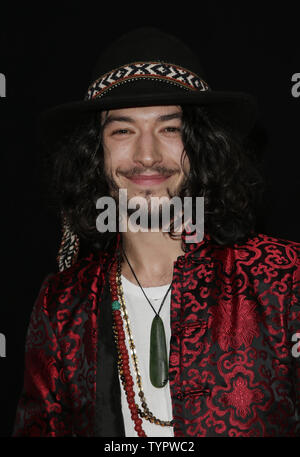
(118, 303)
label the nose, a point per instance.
(147, 150)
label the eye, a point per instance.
(172, 129)
(120, 132)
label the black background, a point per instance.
(47, 54)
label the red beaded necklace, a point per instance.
(123, 357)
(122, 351)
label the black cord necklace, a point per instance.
(158, 366)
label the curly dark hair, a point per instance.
(223, 169)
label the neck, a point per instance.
(151, 255)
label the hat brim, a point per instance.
(237, 110)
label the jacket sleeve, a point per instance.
(294, 336)
(40, 410)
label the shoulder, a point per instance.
(263, 239)
(270, 259)
(64, 289)
(273, 250)
(261, 256)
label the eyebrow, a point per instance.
(165, 117)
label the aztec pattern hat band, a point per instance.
(170, 73)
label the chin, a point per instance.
(148, 193)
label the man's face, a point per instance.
(143, 150)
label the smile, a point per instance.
(148, 179)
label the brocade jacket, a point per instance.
(234, 365)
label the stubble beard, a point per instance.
(147, 194)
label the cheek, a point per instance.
(174, 150)
(115, 157)
(107, 163)
(111, 161)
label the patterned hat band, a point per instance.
(170, 73)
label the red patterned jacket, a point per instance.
(234, 370)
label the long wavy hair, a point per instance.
(223, 169)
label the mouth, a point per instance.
(149, 180)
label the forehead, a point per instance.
(144, 112)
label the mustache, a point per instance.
(135, 171)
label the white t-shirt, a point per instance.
(140, 316)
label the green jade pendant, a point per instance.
(159, 370)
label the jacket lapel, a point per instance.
(108, 411)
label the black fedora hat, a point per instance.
(148, 67)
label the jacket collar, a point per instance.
(192, 245)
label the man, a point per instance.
(155, 333)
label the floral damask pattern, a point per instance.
(231, 330)
(241, 399)
(232, 373)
